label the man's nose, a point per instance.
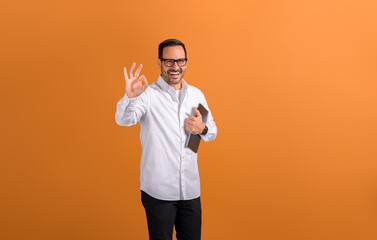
(175, 65)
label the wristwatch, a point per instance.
(205, 130)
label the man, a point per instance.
(167, 112)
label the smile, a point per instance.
(174, 73)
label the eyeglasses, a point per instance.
(170, 62)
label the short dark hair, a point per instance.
(169, 43)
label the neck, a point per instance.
(177, 86)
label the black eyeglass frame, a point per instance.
(175, 60)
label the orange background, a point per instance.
(291, 84)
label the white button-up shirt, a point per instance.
(168, 169)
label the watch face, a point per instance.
(204, 130)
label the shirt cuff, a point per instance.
(126, 100)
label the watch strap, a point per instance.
(205, 130)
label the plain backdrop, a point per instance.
(291, 85)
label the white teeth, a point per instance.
(174, 73)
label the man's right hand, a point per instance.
(135, 85)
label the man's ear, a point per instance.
(159, 63)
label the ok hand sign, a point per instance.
(135, 85)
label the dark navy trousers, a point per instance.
(162, 216)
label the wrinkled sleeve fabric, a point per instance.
(211, 125)
(131, 110)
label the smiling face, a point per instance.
(172, 75)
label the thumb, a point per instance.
(197, 112)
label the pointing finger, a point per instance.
(187, 127)
(143, 78)
(144, 81)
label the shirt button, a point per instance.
(183, 157)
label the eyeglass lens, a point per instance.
(170, 62)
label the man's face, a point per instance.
(172, 75)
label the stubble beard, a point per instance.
(171, 81)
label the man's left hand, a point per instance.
(195, 125)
